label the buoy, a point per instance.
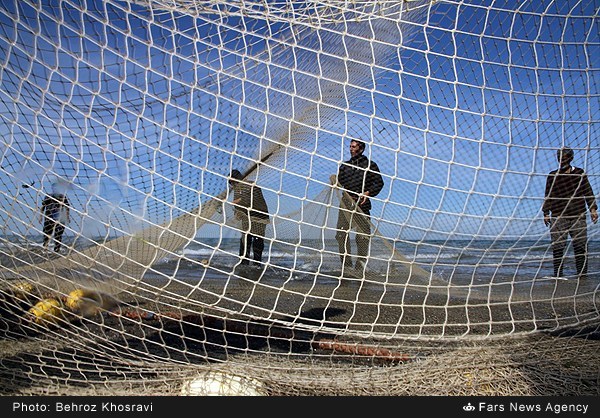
(24, 291)
(88, 303)
(46, 312)
(221, 384)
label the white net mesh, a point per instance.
(138, 111)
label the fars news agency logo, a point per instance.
(468, 407)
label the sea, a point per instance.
(460, 262)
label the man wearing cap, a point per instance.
(568, 196)
(251, 210)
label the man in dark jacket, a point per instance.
(568, 192)
(251, 210)
(360, 179)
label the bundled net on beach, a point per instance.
(138, 111)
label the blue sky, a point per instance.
(142, 117)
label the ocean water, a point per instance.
(485, 261)
(459, 262)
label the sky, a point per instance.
(140, 114)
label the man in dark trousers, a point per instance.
(568, 195)
(252, 211)
(360, 180)
(55, 215)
